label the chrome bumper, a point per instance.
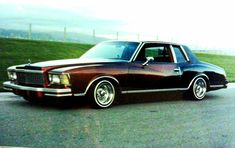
(47, 91)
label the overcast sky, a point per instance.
(208, 23)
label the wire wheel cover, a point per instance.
(104, 93)
(199, 88)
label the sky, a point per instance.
(205, 23)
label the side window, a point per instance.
(151, 52)
(160, 53)
(179, 54)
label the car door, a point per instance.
(160, 73)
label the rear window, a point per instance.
(179, 54)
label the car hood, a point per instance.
(67, 63)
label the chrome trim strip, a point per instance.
(28, 71)
(173, 54)
(80, 94)
(185, 54)
(133, 57)
(215, 86)
(162, 42)
(153, 90)
(8, 89)
(89, 85)
(59, 95)
(8, 84)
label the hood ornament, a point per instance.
(29, 62)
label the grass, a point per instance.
(17, 51)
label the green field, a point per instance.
(16, 51)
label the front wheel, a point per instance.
(198, 89)
(102, 94)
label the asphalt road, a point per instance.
(153, 120)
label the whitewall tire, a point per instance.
(103, 94)
(199, 88)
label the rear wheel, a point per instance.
(198, 89)
(102, 94)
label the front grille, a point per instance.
(30, 78)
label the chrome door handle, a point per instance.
(177, 70)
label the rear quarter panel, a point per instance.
(215, 74)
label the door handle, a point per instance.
(177, 70)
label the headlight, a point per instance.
(12, 75)
(55, 79)
(59, 79)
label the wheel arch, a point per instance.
(112, 79)
(202, 75)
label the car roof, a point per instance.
(159, 42)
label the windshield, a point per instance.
(112, 50)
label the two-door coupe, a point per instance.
(118, 67)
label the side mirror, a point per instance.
(148, 59)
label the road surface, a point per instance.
(153, 120)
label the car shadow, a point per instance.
(150, 97)
(71, 103)
(54, 103)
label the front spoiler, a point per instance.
(46, 91)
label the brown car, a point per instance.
(118, 67)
